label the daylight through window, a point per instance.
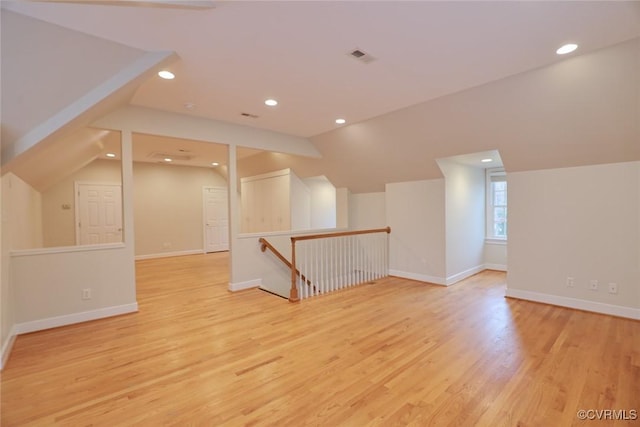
(496, 204)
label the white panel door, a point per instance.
(216, 219)
(98, 213)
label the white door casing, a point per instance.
(98, 213)
(216, 219)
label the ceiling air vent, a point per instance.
(361, 56)
(252, 116)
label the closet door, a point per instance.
(276, 190)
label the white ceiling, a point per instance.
(154, 149)
(239, 53)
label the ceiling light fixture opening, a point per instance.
(215, 164)
(340, 121)
(168, 159)
(486, 160)
(167, 75)
(567, 48)
(112, 155)
(271, 102)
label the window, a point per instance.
(496, 204)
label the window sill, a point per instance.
(494, 241)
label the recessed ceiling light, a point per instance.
(168, 75)
(486, 160)
(567, 48)
(110, 155)
(189, 105)
(271, 102)
(215, 164)
(167, 159)
(341, 121)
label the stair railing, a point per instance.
(322, 263)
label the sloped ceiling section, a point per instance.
(55, 81)
(582, 111)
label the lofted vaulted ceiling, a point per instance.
(448, 78)
(238, 54)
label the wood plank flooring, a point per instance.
(393, 353)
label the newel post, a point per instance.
(293, 293)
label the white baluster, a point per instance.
(305, 272)
(377, 249)
(314, 266)
(343, 263)
(334, 250)
(322, 270)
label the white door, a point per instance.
(98, 213)
(216, 219)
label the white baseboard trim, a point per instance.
(7, 346)
(464, 274)
(416, 276)
(580, 304)
(170, 254)
(497, 267)
(240, 286)
(70, 319)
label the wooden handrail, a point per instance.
(341, 233)
(293, 293)
(264, 245)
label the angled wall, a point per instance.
(417, 244)
(464, 219)
(579, 222)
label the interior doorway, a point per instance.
(98, 213)
(216, 219)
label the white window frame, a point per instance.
(494, 175)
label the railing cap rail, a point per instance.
(340, 234)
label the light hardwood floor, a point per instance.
(396, 352)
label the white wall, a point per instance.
(299, 203)
(323, 202)
(52, 296)
(263, 268)
(21, 229)
(367, 210)
(24, 209)
(74, 62)
(168, 207)
(342, 207)
(59, 227)
(45, 285)
(465, 219)
(416, 214)
(7, 308)
(495, 255)
(577, 222)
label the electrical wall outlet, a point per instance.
(613, 288)
(86, 294)
(570, 282)
(593, 285)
